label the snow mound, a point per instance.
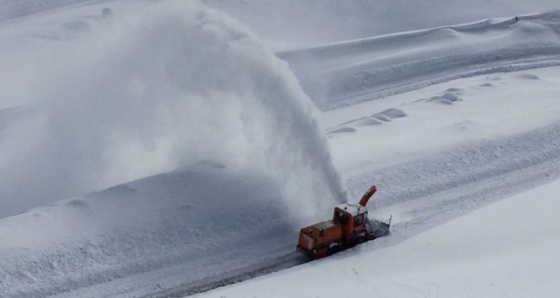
(375, 119)
(528, 76)
(342, 130)
(448, 98)
(340, 74)
(303, 23)
(190, 219)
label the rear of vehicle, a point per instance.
(321, 239)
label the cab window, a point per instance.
(359, 220)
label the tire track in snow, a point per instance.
(431, 191)
(379, 82)
(229, 278)
(436, 189)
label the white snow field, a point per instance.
(163, 148)
(346, 72)
(290, 24)
(295, 24)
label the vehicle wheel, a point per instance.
(334, 248)
(359, 241)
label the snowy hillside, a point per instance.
(292, 24)
(347, 72)
(164, 148)
(303, 23)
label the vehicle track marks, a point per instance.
(229, 278)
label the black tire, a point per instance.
(359, 241)
(334, 249)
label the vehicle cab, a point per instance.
(352, 219)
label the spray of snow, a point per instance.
(166, 87)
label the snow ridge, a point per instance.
(343, 73)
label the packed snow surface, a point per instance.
(184, 148)
(508, 249)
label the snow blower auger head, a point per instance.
(349, 227)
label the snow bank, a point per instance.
(186, 222)
(166, 86)
(293, 24)
(17, 8)
(303, 23)
(338, 74)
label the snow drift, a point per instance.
(168, 86)
(375, 67)
(100, 238)
(294, 24)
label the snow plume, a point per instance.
(166, 87)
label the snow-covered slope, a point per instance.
(365, 69)
(193, 222)
(228, 154)
(303, 23)
(392, 130)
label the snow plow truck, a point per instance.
(349, 227)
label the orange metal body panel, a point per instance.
(346, 221)
(318, 240)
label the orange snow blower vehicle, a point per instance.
(349, 227)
